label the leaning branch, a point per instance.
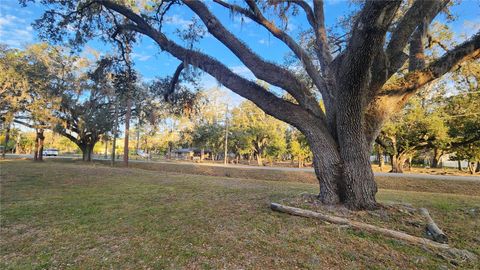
(262, 69)
(174, 81)
(301, 54)
(395, 94)
(364, 45)
(23, 123)
(420, 12)
(308, 10)
(468, 50)
(266, 100)
(321, 40)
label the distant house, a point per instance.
(191, 153)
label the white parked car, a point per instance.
(142, 154)
(50, 152)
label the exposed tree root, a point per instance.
(432, 228)
(419, 241)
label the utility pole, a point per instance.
(137, 143)
(225, 157)
(114, 131)
(106, 147)
(128, 113)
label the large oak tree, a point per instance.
(361, 86)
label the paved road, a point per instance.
(410, 175)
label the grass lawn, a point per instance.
(81, 216)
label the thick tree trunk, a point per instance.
(398, 162)
(35, 149)
(83, 148)
(87, 150)
(471, 167)
(258, 156)
(360, 186)
(38, 150)
(437, 155)
(327, 165)
(459, 163)
(169, 155)
(477, 170)
(41, 140)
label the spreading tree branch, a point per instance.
(262, 69)
(468, 50)
(260, 96)
(174, 81)
(396, 93)
(256, 15)
(421, 12)
(365, 44)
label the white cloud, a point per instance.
(10, 20)
(141, 57)
(12, 8)
(177, 21)
(14, 31)
(471, 27)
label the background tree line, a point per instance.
(442, 122)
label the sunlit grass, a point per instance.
(61, 215)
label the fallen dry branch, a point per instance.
(432, 228)
(359, 225)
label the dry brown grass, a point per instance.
(384, 182)
(83, 216)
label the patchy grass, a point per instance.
(396, 183)
(73, 215)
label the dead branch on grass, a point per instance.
(419, 241)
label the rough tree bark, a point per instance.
(87, 150)
(398, 163)
(357, 86)
(38, 150)
(41, 140)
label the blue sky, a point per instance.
(16, 31)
